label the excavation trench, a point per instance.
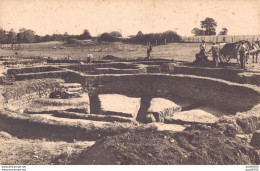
(139, 93)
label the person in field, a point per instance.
(149, 50)
(242, 52)
(255, 46)
(203, 49)
(89, 57)
(69, 57)
(215, 53)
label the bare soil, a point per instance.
(37, 152)
(206, 145)
(46, 138)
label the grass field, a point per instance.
(176, 51)
(60, 50)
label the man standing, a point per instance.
(242, 52)
(149, 50)
(89, 57)
(215, 53)
(255, 46)
(203, 50)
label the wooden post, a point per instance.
(155, 42)
(165, 41)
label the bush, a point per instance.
(107, 37)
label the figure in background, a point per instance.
(149, 50)
(255, 46)
(89, 57)
(215, 53)
(69, 57)
(242, 52)
(203, 49)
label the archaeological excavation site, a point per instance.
(128, 112)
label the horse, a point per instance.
(231, 51)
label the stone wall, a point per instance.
(239, 76)
(15, 97)
(206, 90)
(15, 71)
(40, 75)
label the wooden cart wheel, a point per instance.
(228, 58)
(224, 58)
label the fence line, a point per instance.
(221, 38)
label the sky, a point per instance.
(241, 17)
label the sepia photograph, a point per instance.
(129, 82)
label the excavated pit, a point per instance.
(127, 92)
(152, 105)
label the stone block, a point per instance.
(162, 108)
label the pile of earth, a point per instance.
(74, 42)
(199, 144)
(111, 57)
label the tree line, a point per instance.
(29, 36)
(208, 27)
(140, 38)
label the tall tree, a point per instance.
(139, 33)
(20, 36)
(224, 31)
(85, 35)
(25, 36)
(11, 37)
(29, 36)
(3, 36)
(197, 32)
(209, 24)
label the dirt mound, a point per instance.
(5, 135)
(74, 42)
(111, 57)
(196, 145)
(15, 151)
